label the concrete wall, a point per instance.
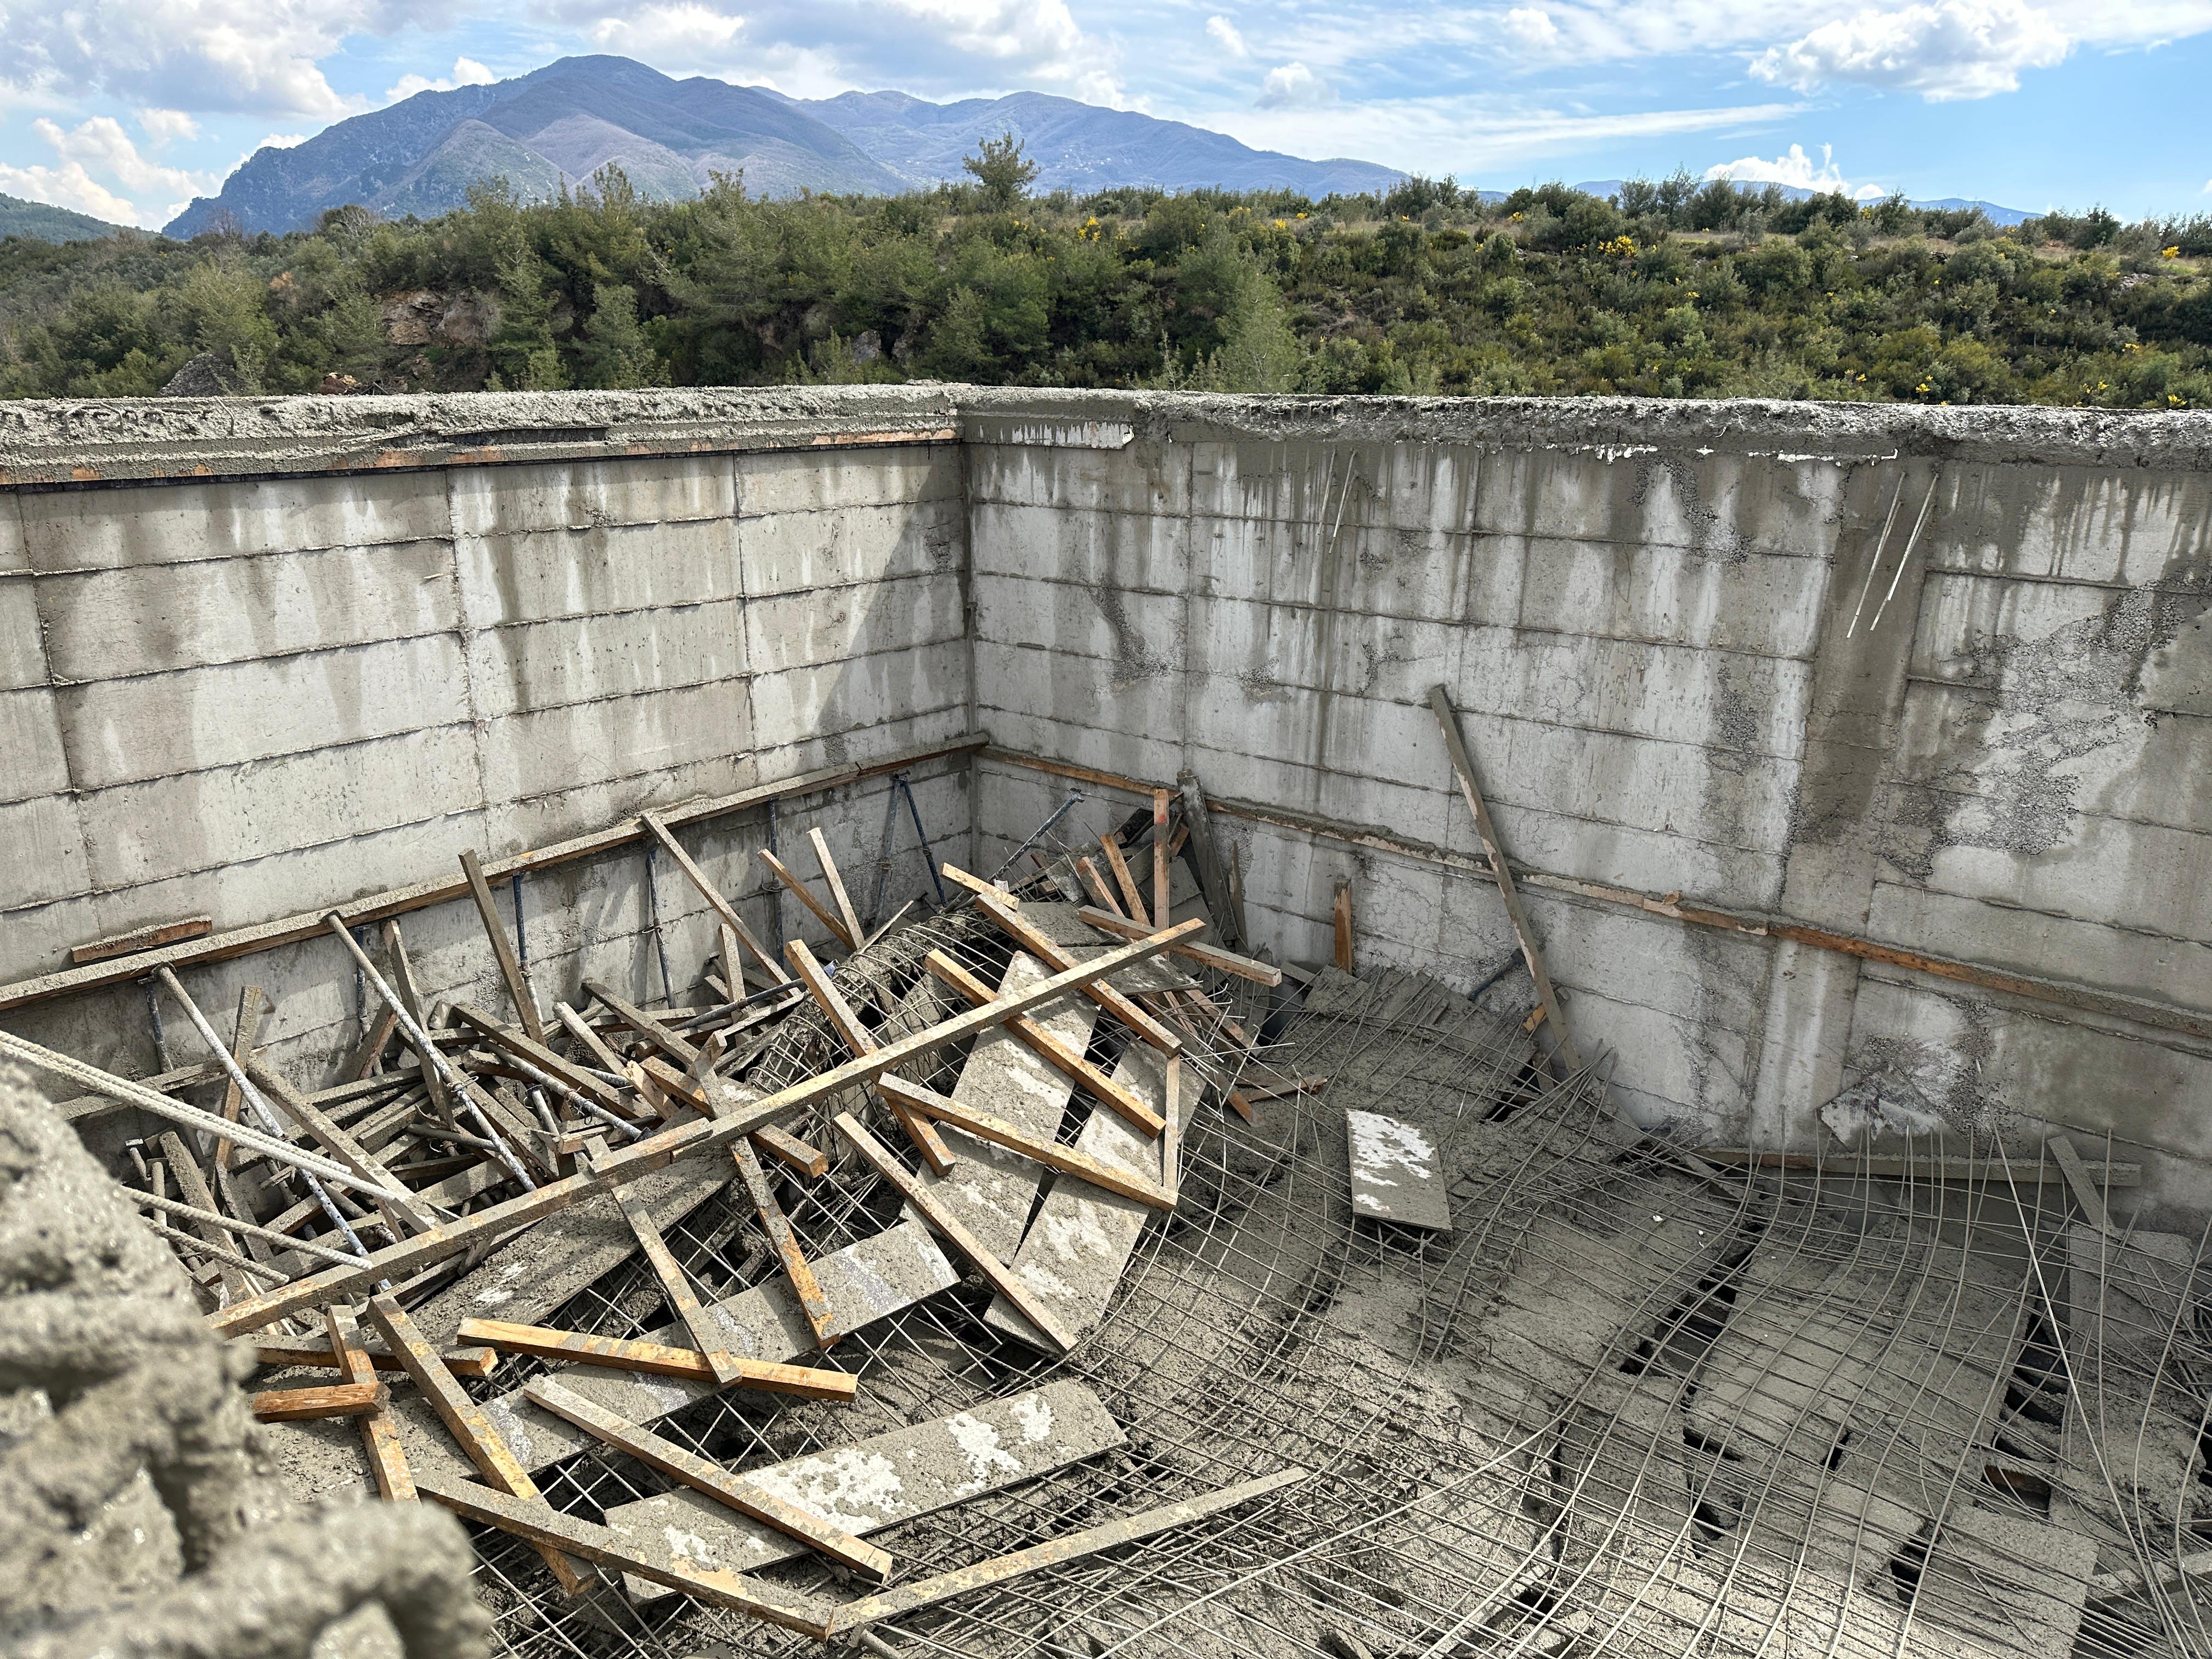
(1693, 655)
(256, 696)
(1652, 622)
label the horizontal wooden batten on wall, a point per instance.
(375, 906)
(2086, 998)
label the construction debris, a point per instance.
(892, 1289)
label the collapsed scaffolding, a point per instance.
(1627, 1399)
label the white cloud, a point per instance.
(1796, 169)
(101, 145)
(1225, 36)
(1946, 50)
(1293, 86)
(1532, 26)
(814, 48)
(70, 187)
(162, 125)
(467, 72)
(196, 55)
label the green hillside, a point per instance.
(1672, 289)
(49, 224)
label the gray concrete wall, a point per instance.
(1652, 621)
(256, 696)
(363, 632)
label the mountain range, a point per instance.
(1995, 215)
(559, 125)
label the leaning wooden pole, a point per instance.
(1463, 764)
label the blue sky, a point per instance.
(126, 109)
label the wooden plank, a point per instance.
(1074, 1547)
(725, 912)
(683, 1300)
(1125, 882)
(1341, 909)
(1058, 958)
(836, 885)
(1996, 1172)
(711, 1479)
(794, 1154)
(680, 1141)
(379, 1430)
(307, 1405)
(733, 961)
(949, 1228)
(405, 1215)
(522, 1047)
(1205, 955)
(2084, 1187)
(1102, 893)
(1297, 1085)
(678, 1048)
(926, 1467)
(777, 1226)
(1462, 766)
(1064, 1056)
(244, 1229)
(1067, 1159)
(252, 1009)
(996, 889)
(847, 1024)
(290, 1350)
(581, 1029)
(535, 1520)
(657, 1359)
(465, 1421)
(186, 1168)
(1163, 905)
(142, 938)
(374, 906)
(784, 873)
(517, 986)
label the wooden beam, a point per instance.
(1062, 1055)
(142, 938)
(310, 1405)
(1125, 882)
(374, 906)
(2085, 1187)
(998, 891)
(836, 885)
(949, 1227)
(680, 1050)
(784, 873)
(405, 1215)
(1341, 910)
(379, 1429)
(1074, 1547)
(723, 909)
(286, 1352)
(1160, 856)
(185, 1167)
(252, 1009)
(518, 988)
(1052, 1154)
(689, 1468)
(1205, 955)
(522, 1047)
(1101, 892)
(534, 1519)
(683, 1300)
(820, 1317)
(794, 1154)
(1462, 765)
(680, 1141)
(847, 1024)
(1057, 957)
(466, 1421)
(657, 1359)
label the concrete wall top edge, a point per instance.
(47, 442)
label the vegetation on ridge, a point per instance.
(1673, 288)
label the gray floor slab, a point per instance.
(1395, 1174)
(1076, 1250)
(879, 1481)
(864, 1282)
(989, 1188)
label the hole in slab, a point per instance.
(1911, 1560)
(1836, 1452)
(2030, 1489)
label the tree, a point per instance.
(616, 353)
(1005, 172)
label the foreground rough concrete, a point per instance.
(138, 1517)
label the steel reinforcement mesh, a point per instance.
(1624, 1406)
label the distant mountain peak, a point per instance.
(558, 125)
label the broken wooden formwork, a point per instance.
(1037, 1275)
